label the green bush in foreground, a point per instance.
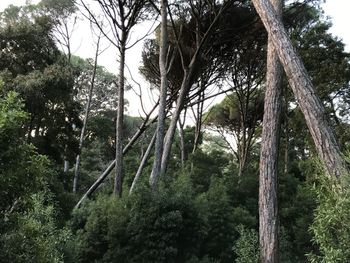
(331, 226)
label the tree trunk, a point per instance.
(311, 106)
(65, 166)
(182, 140)
(189, 72)
(156, 170)
(268, 206)
(143, 163)
(185, 86)
(199, 120)
(118, 182)
(87, 111)
(286, 135)
(110, 167)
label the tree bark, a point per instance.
(87, 112)
(268, 206)
(143, 163)
(286, 134)
(182, 140)
(65, 166)
(156, 170)
(300, 82)
(185, 86)
(110, 167)
(118, 180)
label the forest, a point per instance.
(243, 155)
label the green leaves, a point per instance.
(247, 246)
(12, 115)
(36, 236)
(331, 225)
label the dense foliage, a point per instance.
(205, 208)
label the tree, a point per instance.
(86, 116)
(198, 59)
(32, 65)
(122, 16)
(20, 166)
(327, 64)
(63, 14)
(268, 208)
(238, 115)
(163, 93)
(311, 106)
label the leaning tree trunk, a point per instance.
(189, 72)
(300, 82)
(162, 96)
(87, 112)
(119, 123)
(143, 163)
(268, 207)
(185, 86)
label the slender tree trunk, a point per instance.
(189, 71)
(286, 134)
(182, 140)
(241, 164)
(143, 163)
(100, 179)
(199, 120)
(87, 111)
(156, 170)
(65, 166)
(118, 182)
(300, 82)
(268, 206)
(110, 167)
(176, 114)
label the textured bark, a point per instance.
(156, 170)
(118, 180)
(300, 82)
(143, 163)
(87, 112)
(268, 206)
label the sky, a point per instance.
(336, 10)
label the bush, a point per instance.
(147, 226)
(247, 246)
(331, 225)
(35, 236)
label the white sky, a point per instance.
(337, 10)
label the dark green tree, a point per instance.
(32, 65)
